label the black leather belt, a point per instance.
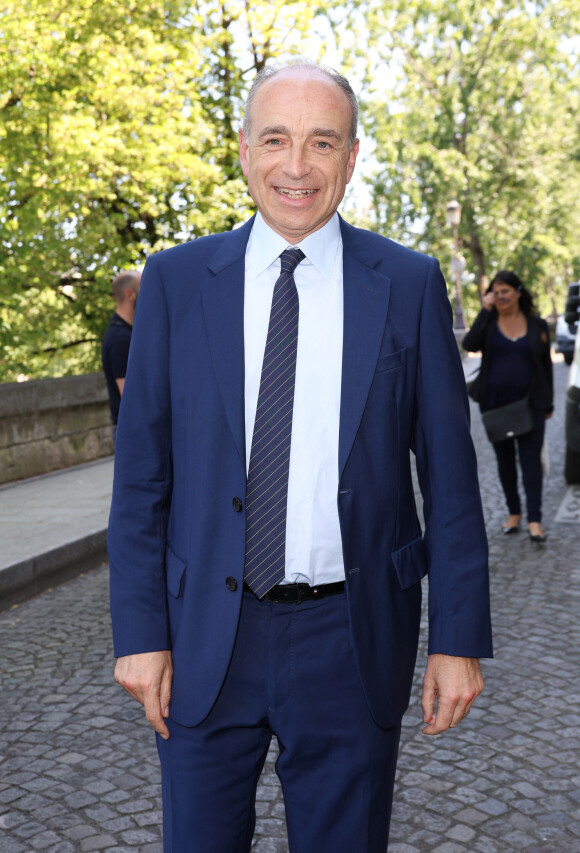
(294, 593)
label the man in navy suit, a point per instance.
(324, 658)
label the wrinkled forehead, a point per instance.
(293, 89)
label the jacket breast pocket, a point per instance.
(175, 571)
(390, 361)
(410, 563)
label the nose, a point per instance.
(296, 165)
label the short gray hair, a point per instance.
(126, 279)
(272, 70)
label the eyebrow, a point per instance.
(282, 130)
(325, 131)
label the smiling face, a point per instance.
(298, 159)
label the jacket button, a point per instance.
(231, 584)
(237, 504)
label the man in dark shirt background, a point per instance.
(115, 347)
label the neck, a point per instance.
(126, 312)
(512, 312)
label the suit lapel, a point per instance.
(366, 299)
(223, 305)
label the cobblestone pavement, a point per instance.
(78, 766)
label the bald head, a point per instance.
(303, 67)
(127, 280)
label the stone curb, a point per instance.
(27, 578)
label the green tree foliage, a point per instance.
(117, 138)
(237, 38)
(482, 105)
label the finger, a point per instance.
(470, 702)
(469, 706)
(443, 720)
(434, 728)
(154, 715)
(458, 716)
(428, 699)
(463, 707)
(165, 692)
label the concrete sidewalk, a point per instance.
(52, 528)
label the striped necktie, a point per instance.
(267, 487)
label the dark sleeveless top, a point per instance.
(511, 370)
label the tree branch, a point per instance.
(64, 346)
(11, 101)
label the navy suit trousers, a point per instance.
(293, 674)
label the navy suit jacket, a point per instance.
(176, 541)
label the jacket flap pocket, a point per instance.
(410, 563)
(390, 360)
(175, 568)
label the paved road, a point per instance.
(78, 767)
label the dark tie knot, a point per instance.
(290, 258)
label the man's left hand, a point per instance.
(453, 683)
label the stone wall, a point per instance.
(47, 424)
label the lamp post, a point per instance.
(453, 219)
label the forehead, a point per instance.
(300, 94)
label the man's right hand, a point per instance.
(147, 677)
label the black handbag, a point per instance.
(508, 421)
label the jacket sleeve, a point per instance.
(142, 481)
(547, 365)
(474, 339)
(455, 537)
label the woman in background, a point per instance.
(515, 363)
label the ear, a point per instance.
(244, 152)
(352, 155)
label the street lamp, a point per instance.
(453, 219)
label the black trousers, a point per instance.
(529, 451)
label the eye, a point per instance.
(273, 142)
(322, 144)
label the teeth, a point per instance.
(295, 193)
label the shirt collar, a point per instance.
(265, 246)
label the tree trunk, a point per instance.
(478, 259)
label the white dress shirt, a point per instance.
(313, 541)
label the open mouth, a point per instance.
(294, 193)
